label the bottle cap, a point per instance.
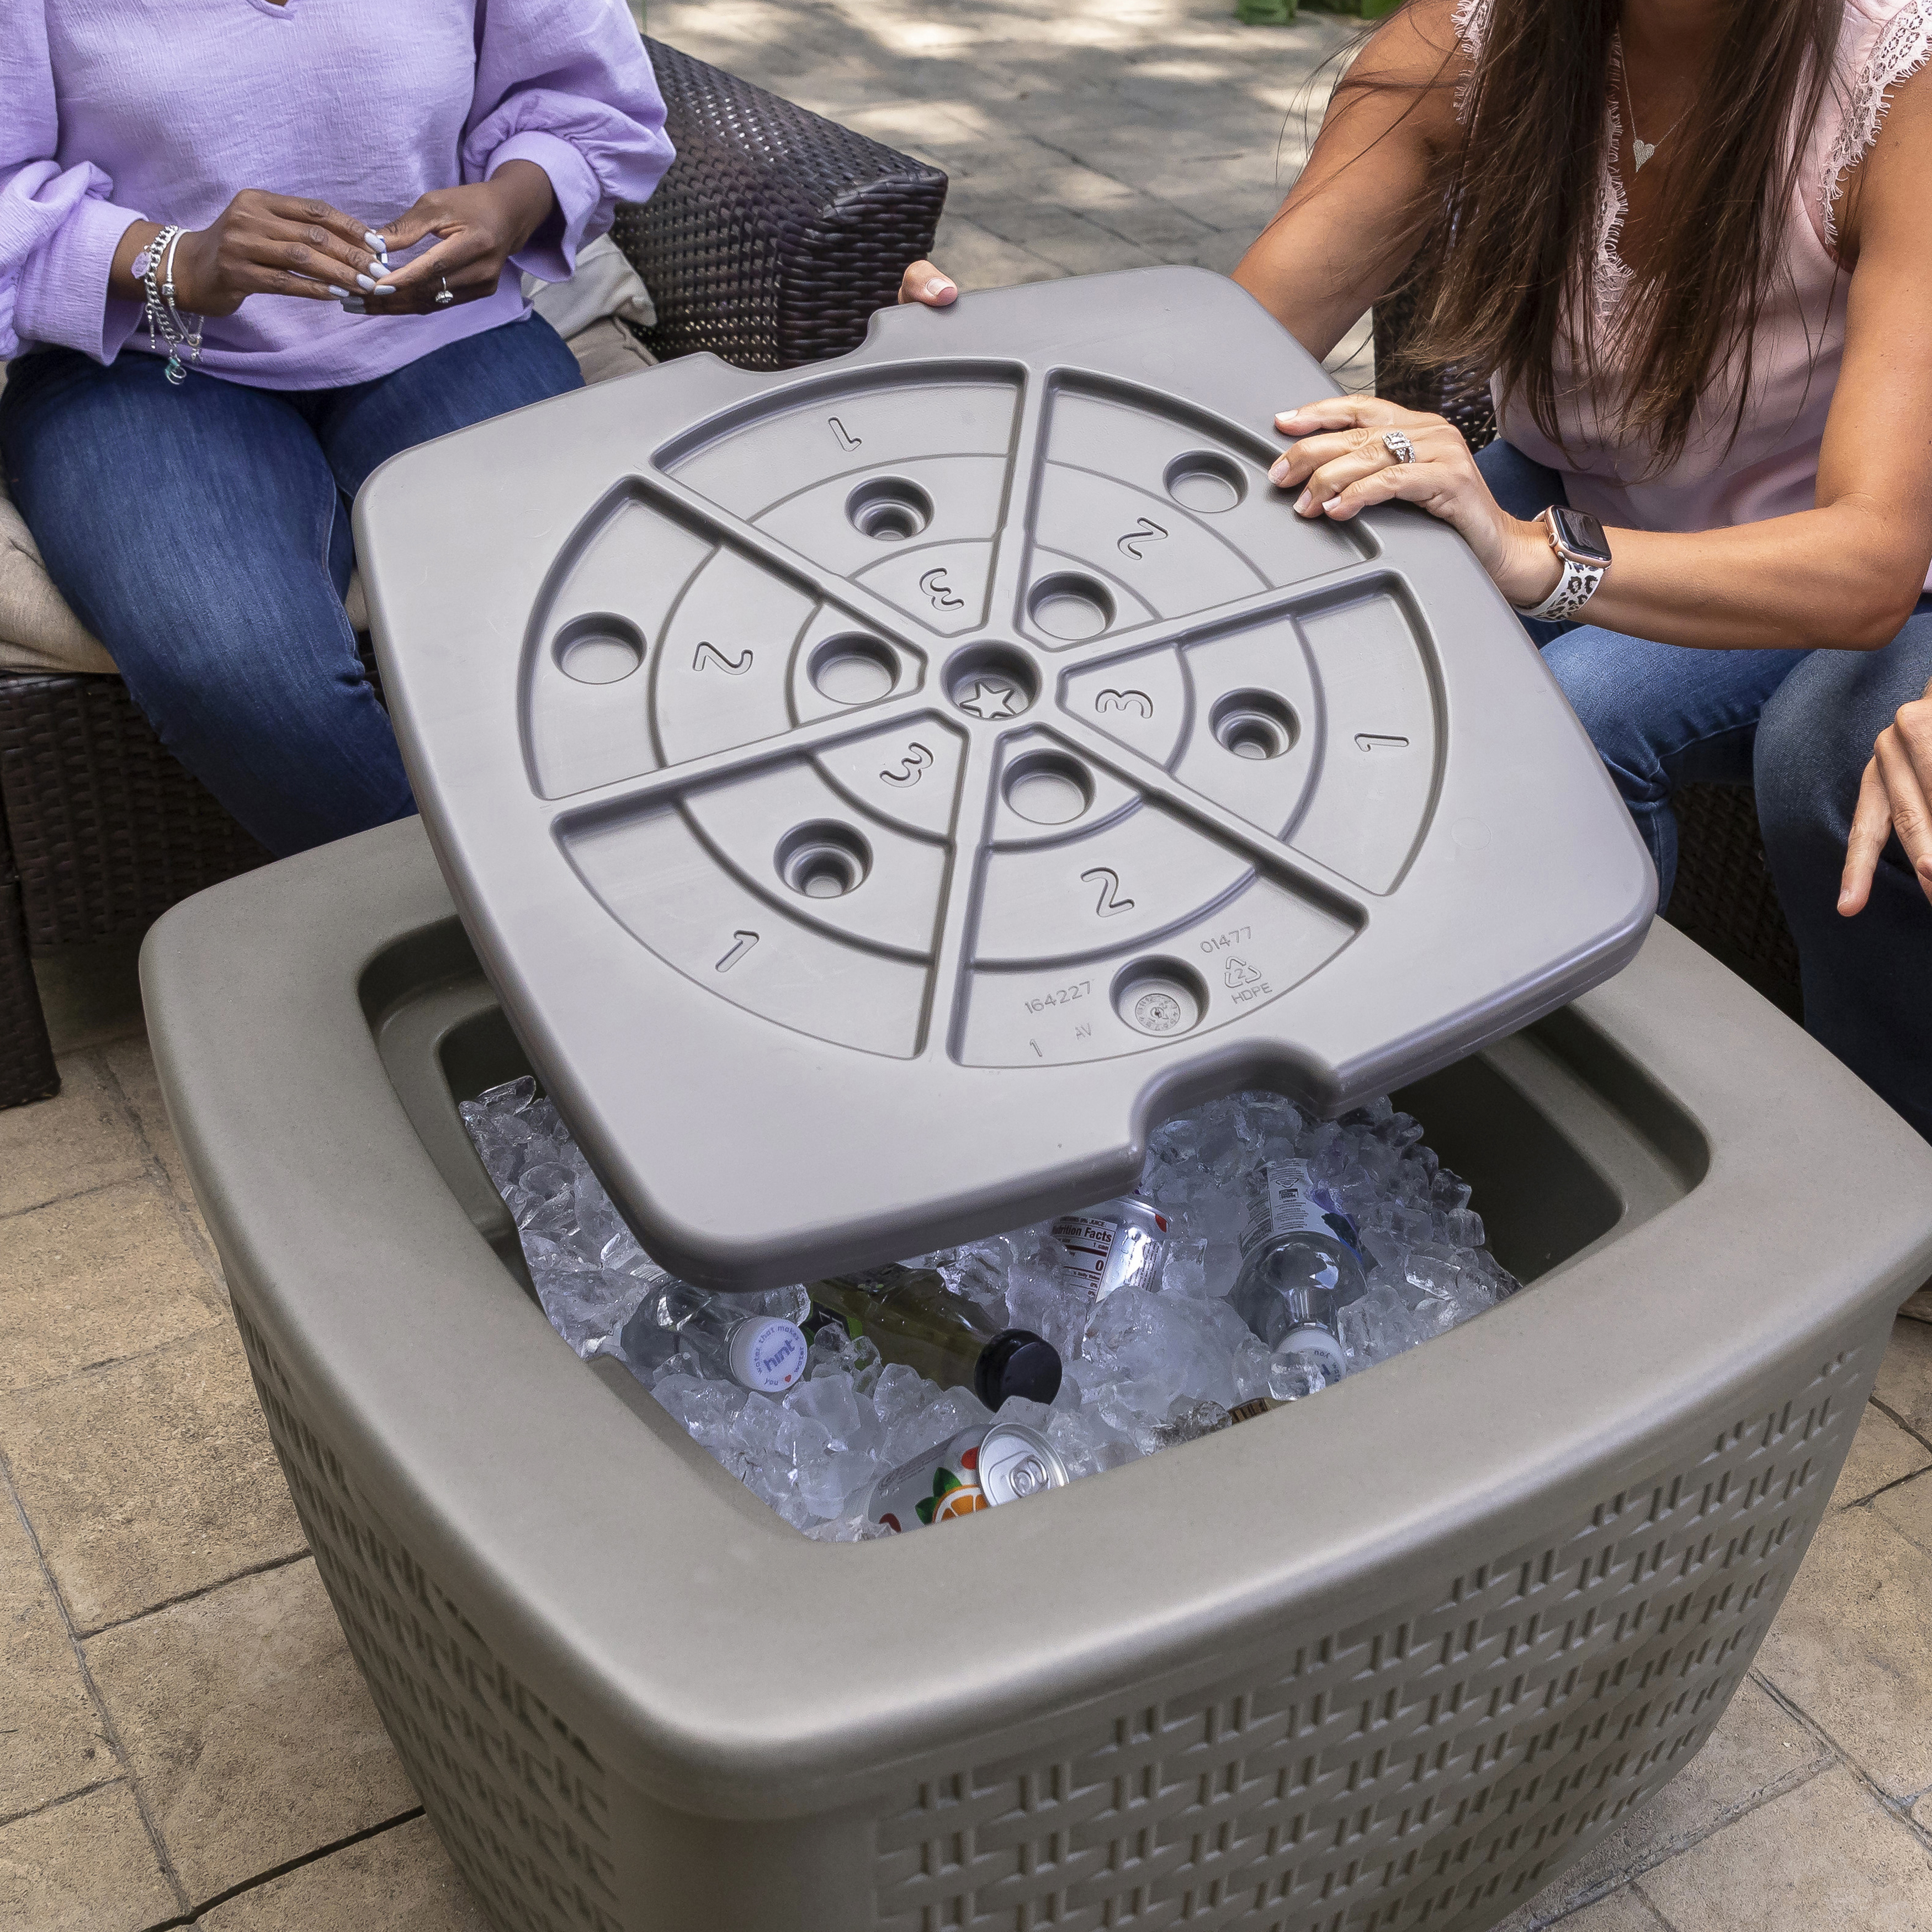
(1017, 1362)
(767, 1354)
(1314, 1342)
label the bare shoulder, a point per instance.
(1416, 53)
(1883, 195)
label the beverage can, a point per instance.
(978, 1469)
(1121, 1244)
(1283, 1200)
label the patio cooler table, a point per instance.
(1393, 1657)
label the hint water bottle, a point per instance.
(737, 1337)
(1301, 1265)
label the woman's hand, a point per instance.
(924, 283)
(262, 244)
(1892, 798)
(481, 226)
(1341, 464)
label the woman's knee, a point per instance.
(1816, 734)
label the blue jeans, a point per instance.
(202, 535)
(1799, 725)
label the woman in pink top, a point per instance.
(1691, 239)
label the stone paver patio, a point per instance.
(184, 1740)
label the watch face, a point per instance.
(1579, 536)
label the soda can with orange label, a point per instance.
(978, 1469)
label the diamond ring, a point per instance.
(1399, 446)
(444, 300)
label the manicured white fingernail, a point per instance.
(365, 281)
(1288, 416)
(340, 295)
(938, 286)
(384, 289)
(372, 240)
(1279, 472)
(1302, 502)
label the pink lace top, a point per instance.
(1771, 470)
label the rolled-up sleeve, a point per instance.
(566, 84)
(59, 226)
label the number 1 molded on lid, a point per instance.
(878, 791)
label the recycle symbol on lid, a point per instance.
(1240, 974)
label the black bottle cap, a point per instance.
(1017, 1362)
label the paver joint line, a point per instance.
(204, 1590)
(1899, 1808)
(288, 1865)
(109, 1729)
(65, 1797)
(1892, 1415)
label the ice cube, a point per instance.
(1038, 1301)
(1087, 1443)
(933, 1424)
(899, 1392)
(1188, 1421)
(705, 1410)
(1182, 1345)
(1292, 1377)
(833, 1401)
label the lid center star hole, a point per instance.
(992, 682)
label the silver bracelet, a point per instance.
(185, 337)
(163, 322)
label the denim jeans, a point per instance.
(202, 535)
(1799, 725)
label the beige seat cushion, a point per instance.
(38, 631)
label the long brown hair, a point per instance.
(1498, 282)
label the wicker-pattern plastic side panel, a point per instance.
(27, 1069)
(521, 1804)
(1724, 897)
(776, 233)
(1435, 1767)
(108, 829)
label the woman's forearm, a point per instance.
(1840, 578)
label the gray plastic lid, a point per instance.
(878, 792)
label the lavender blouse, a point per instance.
(163, 110)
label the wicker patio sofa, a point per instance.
(772, 239)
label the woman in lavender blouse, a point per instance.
(358, 190)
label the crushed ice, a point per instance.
(1144, 1370)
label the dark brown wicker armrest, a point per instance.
(107, 831)
(776, 233)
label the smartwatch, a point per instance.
(1581, 547)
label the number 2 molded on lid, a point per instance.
(876, 791)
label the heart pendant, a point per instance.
(1642, 150)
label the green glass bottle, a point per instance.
(911, 1317)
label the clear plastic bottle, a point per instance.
(912, 1317)
(1301, 1265)
(754, 1340)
